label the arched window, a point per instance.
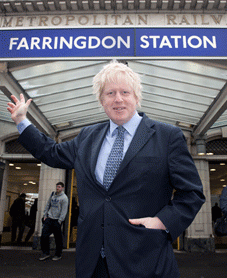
(217, 147)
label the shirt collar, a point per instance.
(130, 126)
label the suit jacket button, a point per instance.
(102, 226)
(108, 198)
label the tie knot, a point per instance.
(121, 130)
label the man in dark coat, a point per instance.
(17, 212)
(125, 228)
(216, 212)
(31, 220)
(223, 201)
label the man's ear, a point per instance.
(101, 100)
(137, 101)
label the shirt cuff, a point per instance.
(23, 125)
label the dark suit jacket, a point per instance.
(156, 162)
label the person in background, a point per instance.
(17, 212)
(31, 220)
(216, 212)
(74, 215)
(127, 170)
(223, 201)
(54, 214)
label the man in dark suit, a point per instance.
(125, 228)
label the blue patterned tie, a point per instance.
(114, 159)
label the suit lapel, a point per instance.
(142, 135)
(97, 140)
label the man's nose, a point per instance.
(118, 97)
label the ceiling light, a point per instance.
(61, 125)
(18, 168)
(39, 164)
(224, 185)
(32, 182)
(222, 163)
(222, 179)
(25, 184)
(210, 153)
(11, 164)
(181, 124)
(212, 170)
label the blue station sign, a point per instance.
(113, 42)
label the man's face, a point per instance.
(59, 188)
(119, 101)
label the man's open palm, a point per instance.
(19, 108)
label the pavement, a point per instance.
(23, 262)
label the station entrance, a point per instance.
(23, 177)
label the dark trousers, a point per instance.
(30, 233)
(101, 270)
(51, 226)
(17, 224)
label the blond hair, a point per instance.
(113, 72)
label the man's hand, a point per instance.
(149, 222)
(19, 109)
